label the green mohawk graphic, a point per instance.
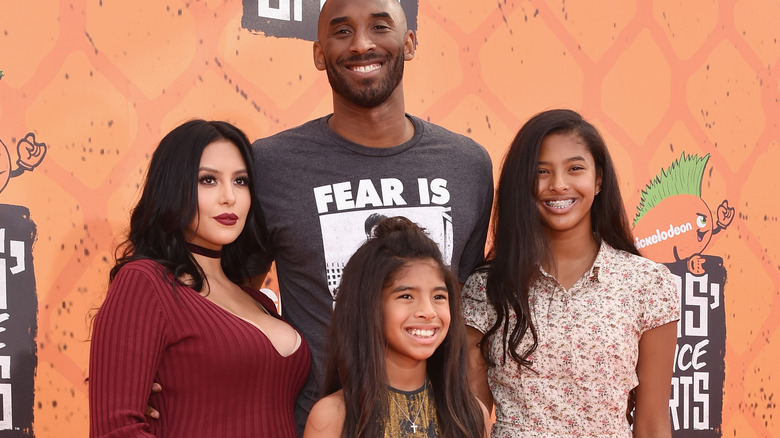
(683, 177)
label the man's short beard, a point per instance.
(368, 96)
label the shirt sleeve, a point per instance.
(125, 352)
(475, 304)
(474, 250)
(662, 298)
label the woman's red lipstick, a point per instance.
(226, 219)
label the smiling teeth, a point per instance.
(366, 68)
(560, 204)
(422, 333)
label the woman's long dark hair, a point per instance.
(357, 343)
(520, 244)
(169, 202)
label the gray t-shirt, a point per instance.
(321, 193)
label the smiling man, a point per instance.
(380, 74)
(319, 184)
(363, 46)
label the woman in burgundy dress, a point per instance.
(175, 312)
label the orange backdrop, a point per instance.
(100, 81)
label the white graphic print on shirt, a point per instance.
(343, 233)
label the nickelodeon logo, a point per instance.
(661, 236)
(674, 196)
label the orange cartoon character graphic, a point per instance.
(19, 303)
(673, 222)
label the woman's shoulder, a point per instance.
(140, 288)
(634, 262)
(143, 264)
(478, 278)
(143, 277)
(475, 285)
(326, 418)
(635, 271)
(143, 268)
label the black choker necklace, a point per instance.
(205, 252)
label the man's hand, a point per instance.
(150, 411)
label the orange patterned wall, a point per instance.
(100, 81)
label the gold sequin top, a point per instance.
(412, 413)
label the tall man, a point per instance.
(322, 184)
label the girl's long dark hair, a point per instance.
(520, 244)
(169, 202)
(357, 344)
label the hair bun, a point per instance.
(394, 224)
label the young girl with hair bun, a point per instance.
(397, 345)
